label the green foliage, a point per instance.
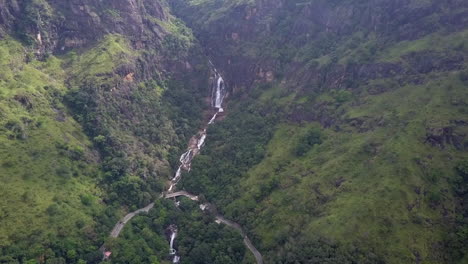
(199, 239)
(367, 177)
(120, 113)
(179, 42)
(340, 172)
(370, 183)
(224, 162)
(46, 164)
(306, 142)
(342, 96)
(457, 239)
(37, 18)
(462, 169)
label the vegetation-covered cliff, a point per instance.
(346, 133)
(96, 100)
(344, 138)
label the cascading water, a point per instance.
(171, 245)
(201, 141)
(217, 97)
(218, 93)
(172, 251)
(196, 143)
(213, 119)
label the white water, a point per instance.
(177, 175)
(201, 141)
(213, 119)
(185, 160)
(217, 96)
(218, 91)
(172, 251)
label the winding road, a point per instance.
(247, 242)
(120, 225)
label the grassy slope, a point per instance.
(371, 204)
(46, 161)
(49, 167)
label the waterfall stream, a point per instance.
(172, 251)
(218, 95)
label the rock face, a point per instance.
(443, 136)
(8, 11)
(58, 26)
(315, 24)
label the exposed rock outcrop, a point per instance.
(57, 26)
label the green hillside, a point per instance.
(343, 140)
(88, 133)
(50, 170)
(369, 130)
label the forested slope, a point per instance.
(345, 139)
(344, 136)
(96, 101)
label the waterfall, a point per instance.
(213, 118)
(218, 92)
(177, 175)
(217, 98)
(201, 141)
(196, 143)
(172, 251)
(186, 157)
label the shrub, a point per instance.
(342, 96)
(311, 138)
(63, 171)
(86, 199)
(53, 209)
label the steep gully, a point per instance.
(195, 144)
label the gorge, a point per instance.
(196, 142)
(233, 131)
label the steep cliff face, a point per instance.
(7, 14)
(251, 38)
(62, 25)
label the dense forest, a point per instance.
(343, 135)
